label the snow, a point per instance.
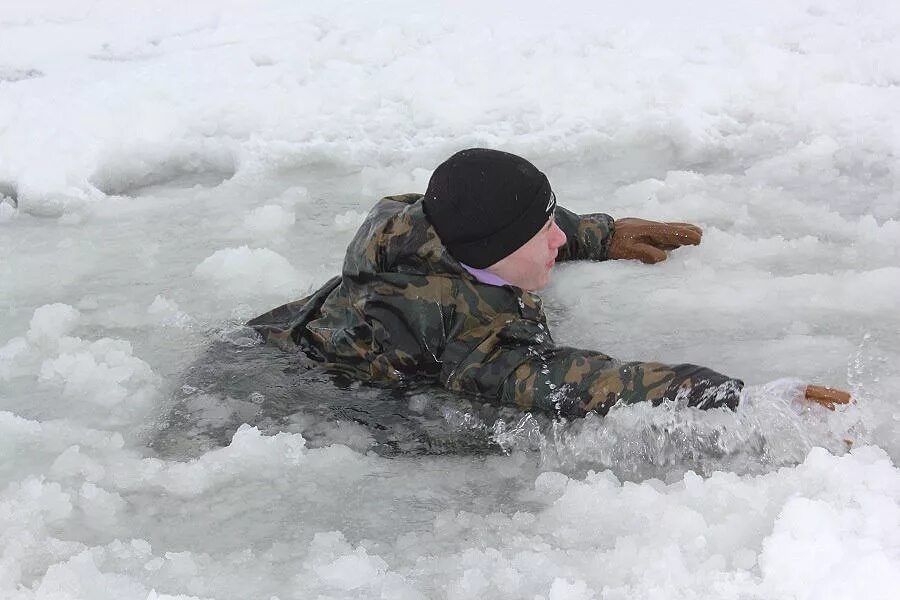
(244, 270)
(170, 169)
(269, 219)
(50, 323)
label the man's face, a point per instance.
(529, 266)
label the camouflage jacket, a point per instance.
(403, 307)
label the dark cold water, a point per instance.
(243, 381)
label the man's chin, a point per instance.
(540, 284)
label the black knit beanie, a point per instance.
(485, 204)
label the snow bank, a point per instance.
(321, 81)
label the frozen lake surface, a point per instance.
(170, 169)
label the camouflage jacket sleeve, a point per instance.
(571, 382)
(587, 236)
(514, 360)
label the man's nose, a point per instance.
(558, 237)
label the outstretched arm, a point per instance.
(597, 236)
(570, 382)
(587, 236)
(573, 382)
(515, 362)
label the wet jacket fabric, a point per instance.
(403, 308)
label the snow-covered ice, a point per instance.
(170, 169)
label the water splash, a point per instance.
(773, 427)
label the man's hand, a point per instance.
(826, 396)
(648, 241)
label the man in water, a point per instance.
(441, 287)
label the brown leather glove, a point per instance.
(648, 241)
(826, 396)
